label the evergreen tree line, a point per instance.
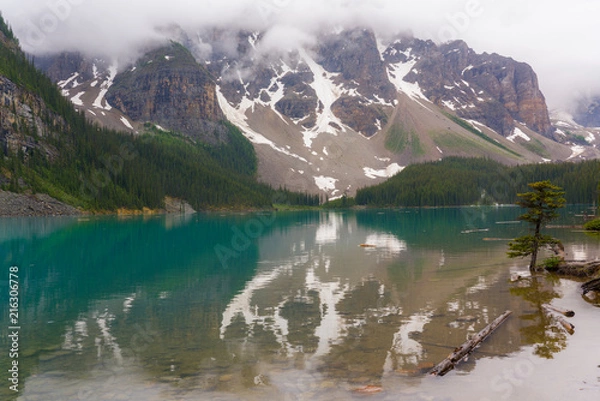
(101, 169)
(6, 29)
(287, 197)
(466, 181)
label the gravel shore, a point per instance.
(12, 204)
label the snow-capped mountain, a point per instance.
(347, 112)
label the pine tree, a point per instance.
(541, 205)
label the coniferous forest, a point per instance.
(459, 181)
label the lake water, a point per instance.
(290, 306)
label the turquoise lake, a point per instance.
(291, 306)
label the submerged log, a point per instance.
(465, 349)
(592, 285)
(564, 312)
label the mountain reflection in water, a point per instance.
(147, 308)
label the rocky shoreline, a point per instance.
(28, 205)
(15, 205)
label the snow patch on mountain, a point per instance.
(468, 68)
(275, 91)
(577, 151)
(476, 123)
(238, 117)
(126, 122)
(517, 133)
(327, 92)
(590, 137)
(76, 100)
(112, 70)
(380, 47)
(326, 184)
(448, 104)
(387, 172)
(397, 72)
(64, 83)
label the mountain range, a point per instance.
(348, 112)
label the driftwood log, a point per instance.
(569, 327)
(465, 349)
(564, 312)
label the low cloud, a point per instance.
(556, 38)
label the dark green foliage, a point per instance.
(453, 181)
(552, 263)
(593, 225)
(462, 181)
(238, 154)
(541, 205)
(283, 196)
(104, 170)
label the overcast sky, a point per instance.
(559, 39)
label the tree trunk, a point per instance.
(533, 257)
(461, 352)
(536, 246)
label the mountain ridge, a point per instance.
(352, 111)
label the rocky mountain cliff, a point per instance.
(347, 112)
(26, 123)
(492, 89)
(168, 87)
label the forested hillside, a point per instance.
(98, 169)
(457, 181)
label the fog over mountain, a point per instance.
(556, 38)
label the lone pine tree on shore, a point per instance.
(541, 204)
